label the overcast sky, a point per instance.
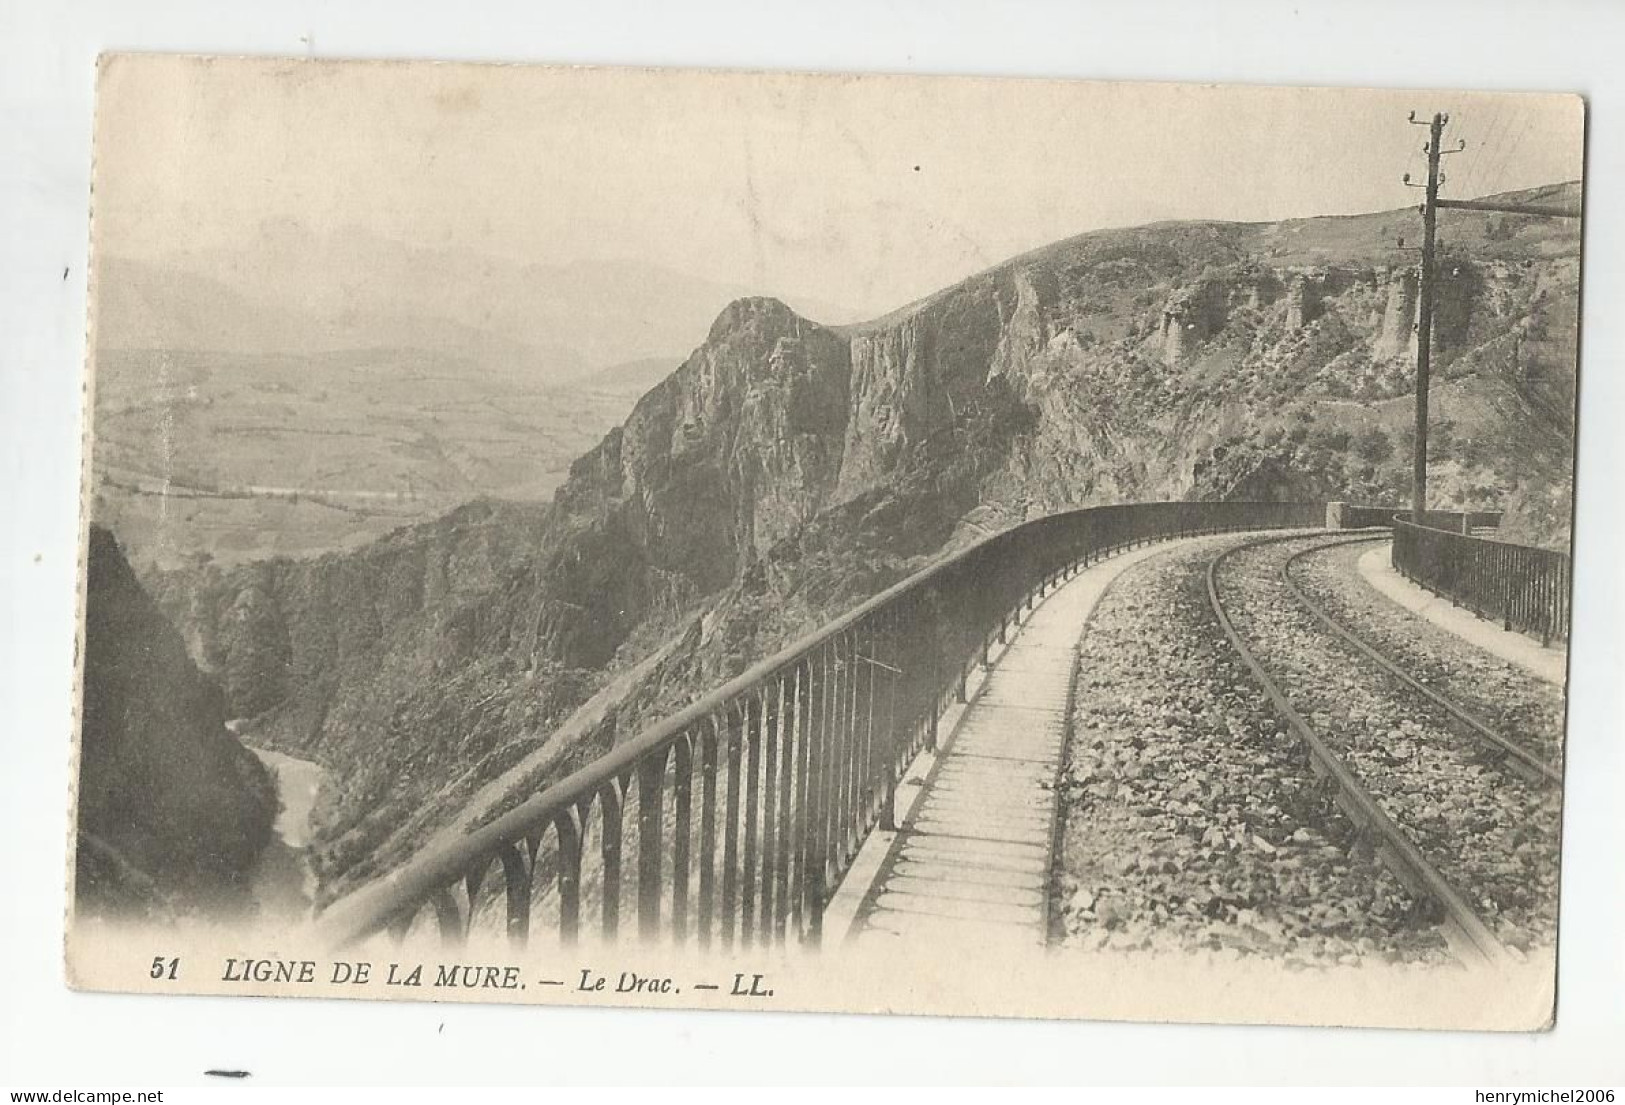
(863, 191)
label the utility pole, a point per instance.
(1424, 314)
(1428, 283)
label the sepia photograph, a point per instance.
(786, 541)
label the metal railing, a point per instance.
(1456, 521)
(1525, 588)
(735, 819)
(1356, 516)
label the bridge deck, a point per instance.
(972, 859)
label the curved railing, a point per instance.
(1455, 521)
(1341, 515)
(1523, 587)
(735, 818)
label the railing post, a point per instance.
(819, 703)
(682, 831)
(1548, 615)
(840, 751)
(569, 833)
(754, 720)
(516, 877)
(710, 737)
(801, 825)
(609, 801)
(866, 807)
(651, 784)
(892, 755)
(730, 832)
(852, 780)
(453, 926)
(1507, 592)
(786, 739)
(771, 723)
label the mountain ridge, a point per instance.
(289, 289)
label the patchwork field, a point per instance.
(241, 456)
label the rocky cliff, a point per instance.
(788, 469)
(172, 810)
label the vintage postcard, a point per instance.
(811, 542)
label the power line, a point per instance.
(1518, 144)
(1501, 149)
(1463, 173)
(1479, 158)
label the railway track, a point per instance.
(1511, 702)
(1461, 876)
(1517, 757)
(1189, 822)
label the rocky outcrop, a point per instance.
(1302, 302)
(1193, 314)
(1396, 332)
(282, 625)
(172, 810)
(738, 447)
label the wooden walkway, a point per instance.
(972, 859)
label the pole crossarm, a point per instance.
(1510, 208)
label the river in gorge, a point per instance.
(283, 884)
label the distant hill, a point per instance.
(239, 456)
(146, 306)
(635, 377)
(289, 289)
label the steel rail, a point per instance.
(1400, 854)
(1541, 771)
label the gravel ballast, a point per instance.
(1520, 706)
(1492, 834)
(1190, 820)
